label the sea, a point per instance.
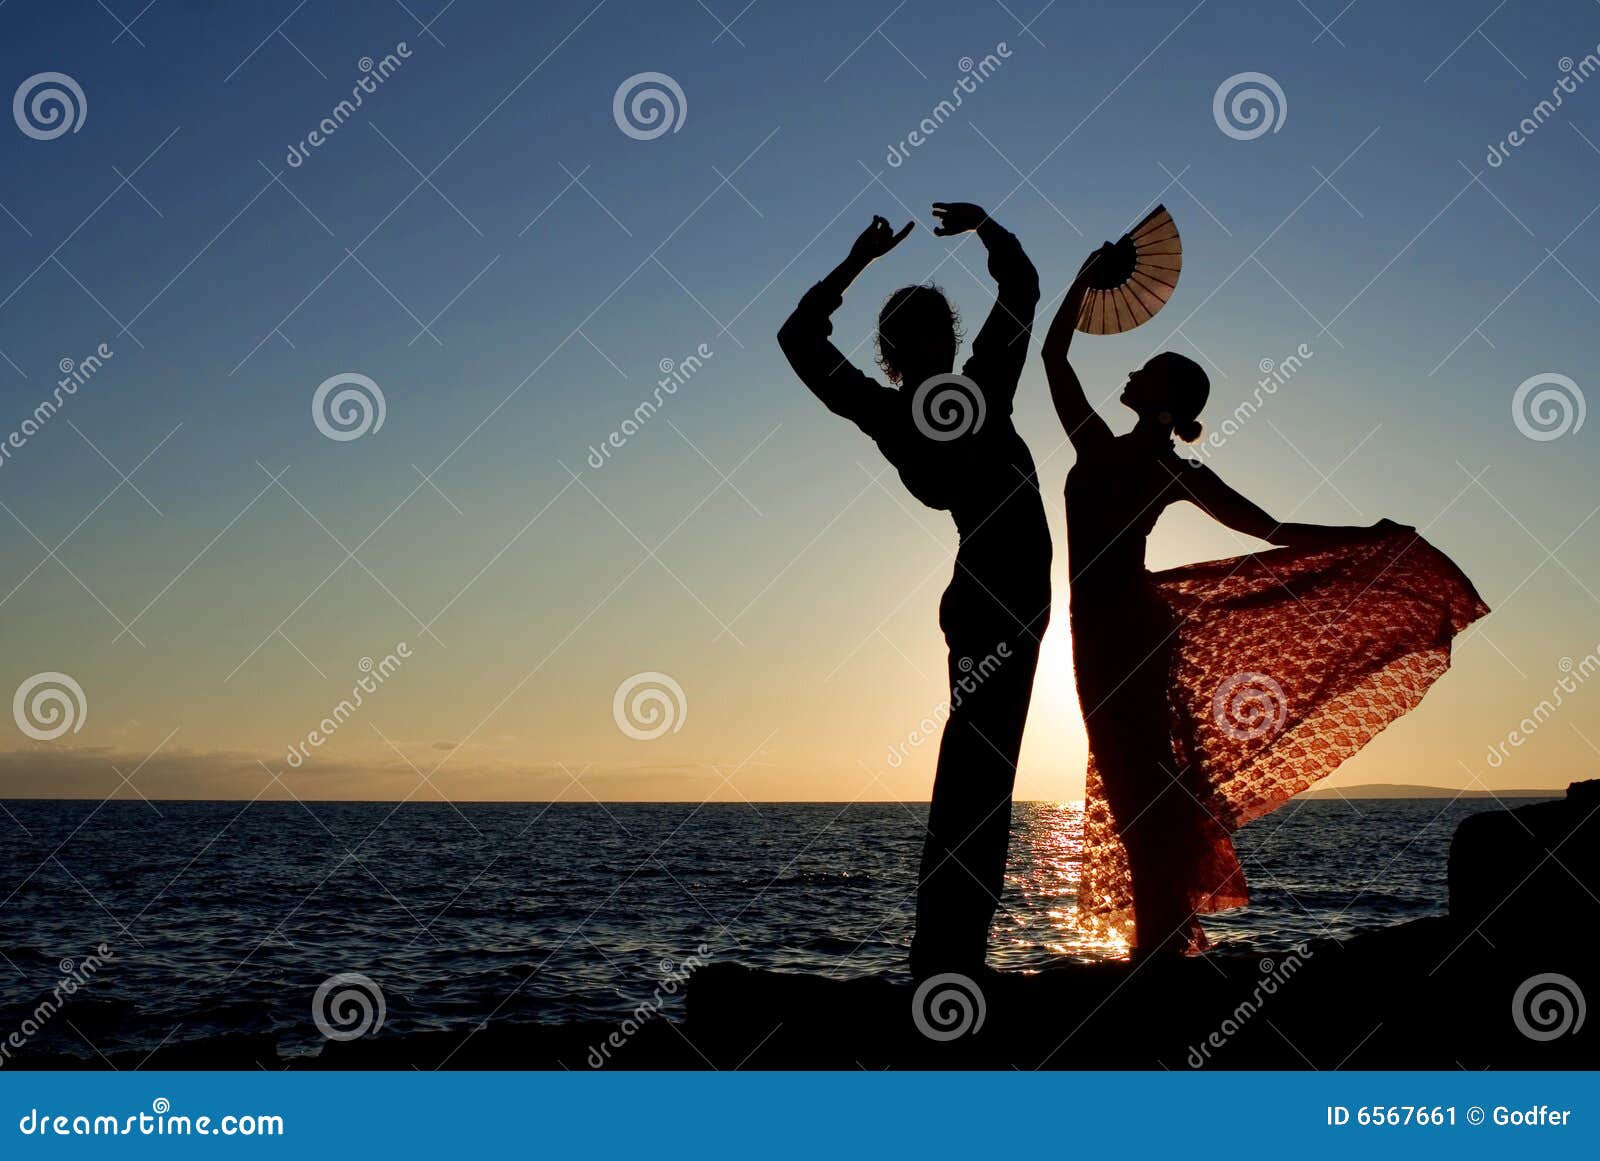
(183, 921)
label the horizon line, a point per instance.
(1442, 792)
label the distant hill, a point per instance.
(1399, 790)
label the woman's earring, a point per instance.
(1165, 417)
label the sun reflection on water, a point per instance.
(1038, 921)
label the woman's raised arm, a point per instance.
(1082, 423)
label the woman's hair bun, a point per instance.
(1187, 430)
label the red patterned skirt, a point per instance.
(1270, 670)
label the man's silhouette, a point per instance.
(953, 443)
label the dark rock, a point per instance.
(1425, 994)
(1503, 982)
(1532, 873)
(655, 1043)
(240, 1050)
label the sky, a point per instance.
(485, 241)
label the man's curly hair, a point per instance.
(914, 310)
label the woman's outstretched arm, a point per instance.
(1226, 506)
(1082, 423)
(806, 336)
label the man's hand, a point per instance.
(877, 240)
(957, 217)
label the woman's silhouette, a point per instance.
(952, 441)
(1211, 695)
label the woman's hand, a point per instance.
(1059, 337)
(957, 217)
(877, 240)
(1089, 263)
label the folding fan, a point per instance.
(1134, 278)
